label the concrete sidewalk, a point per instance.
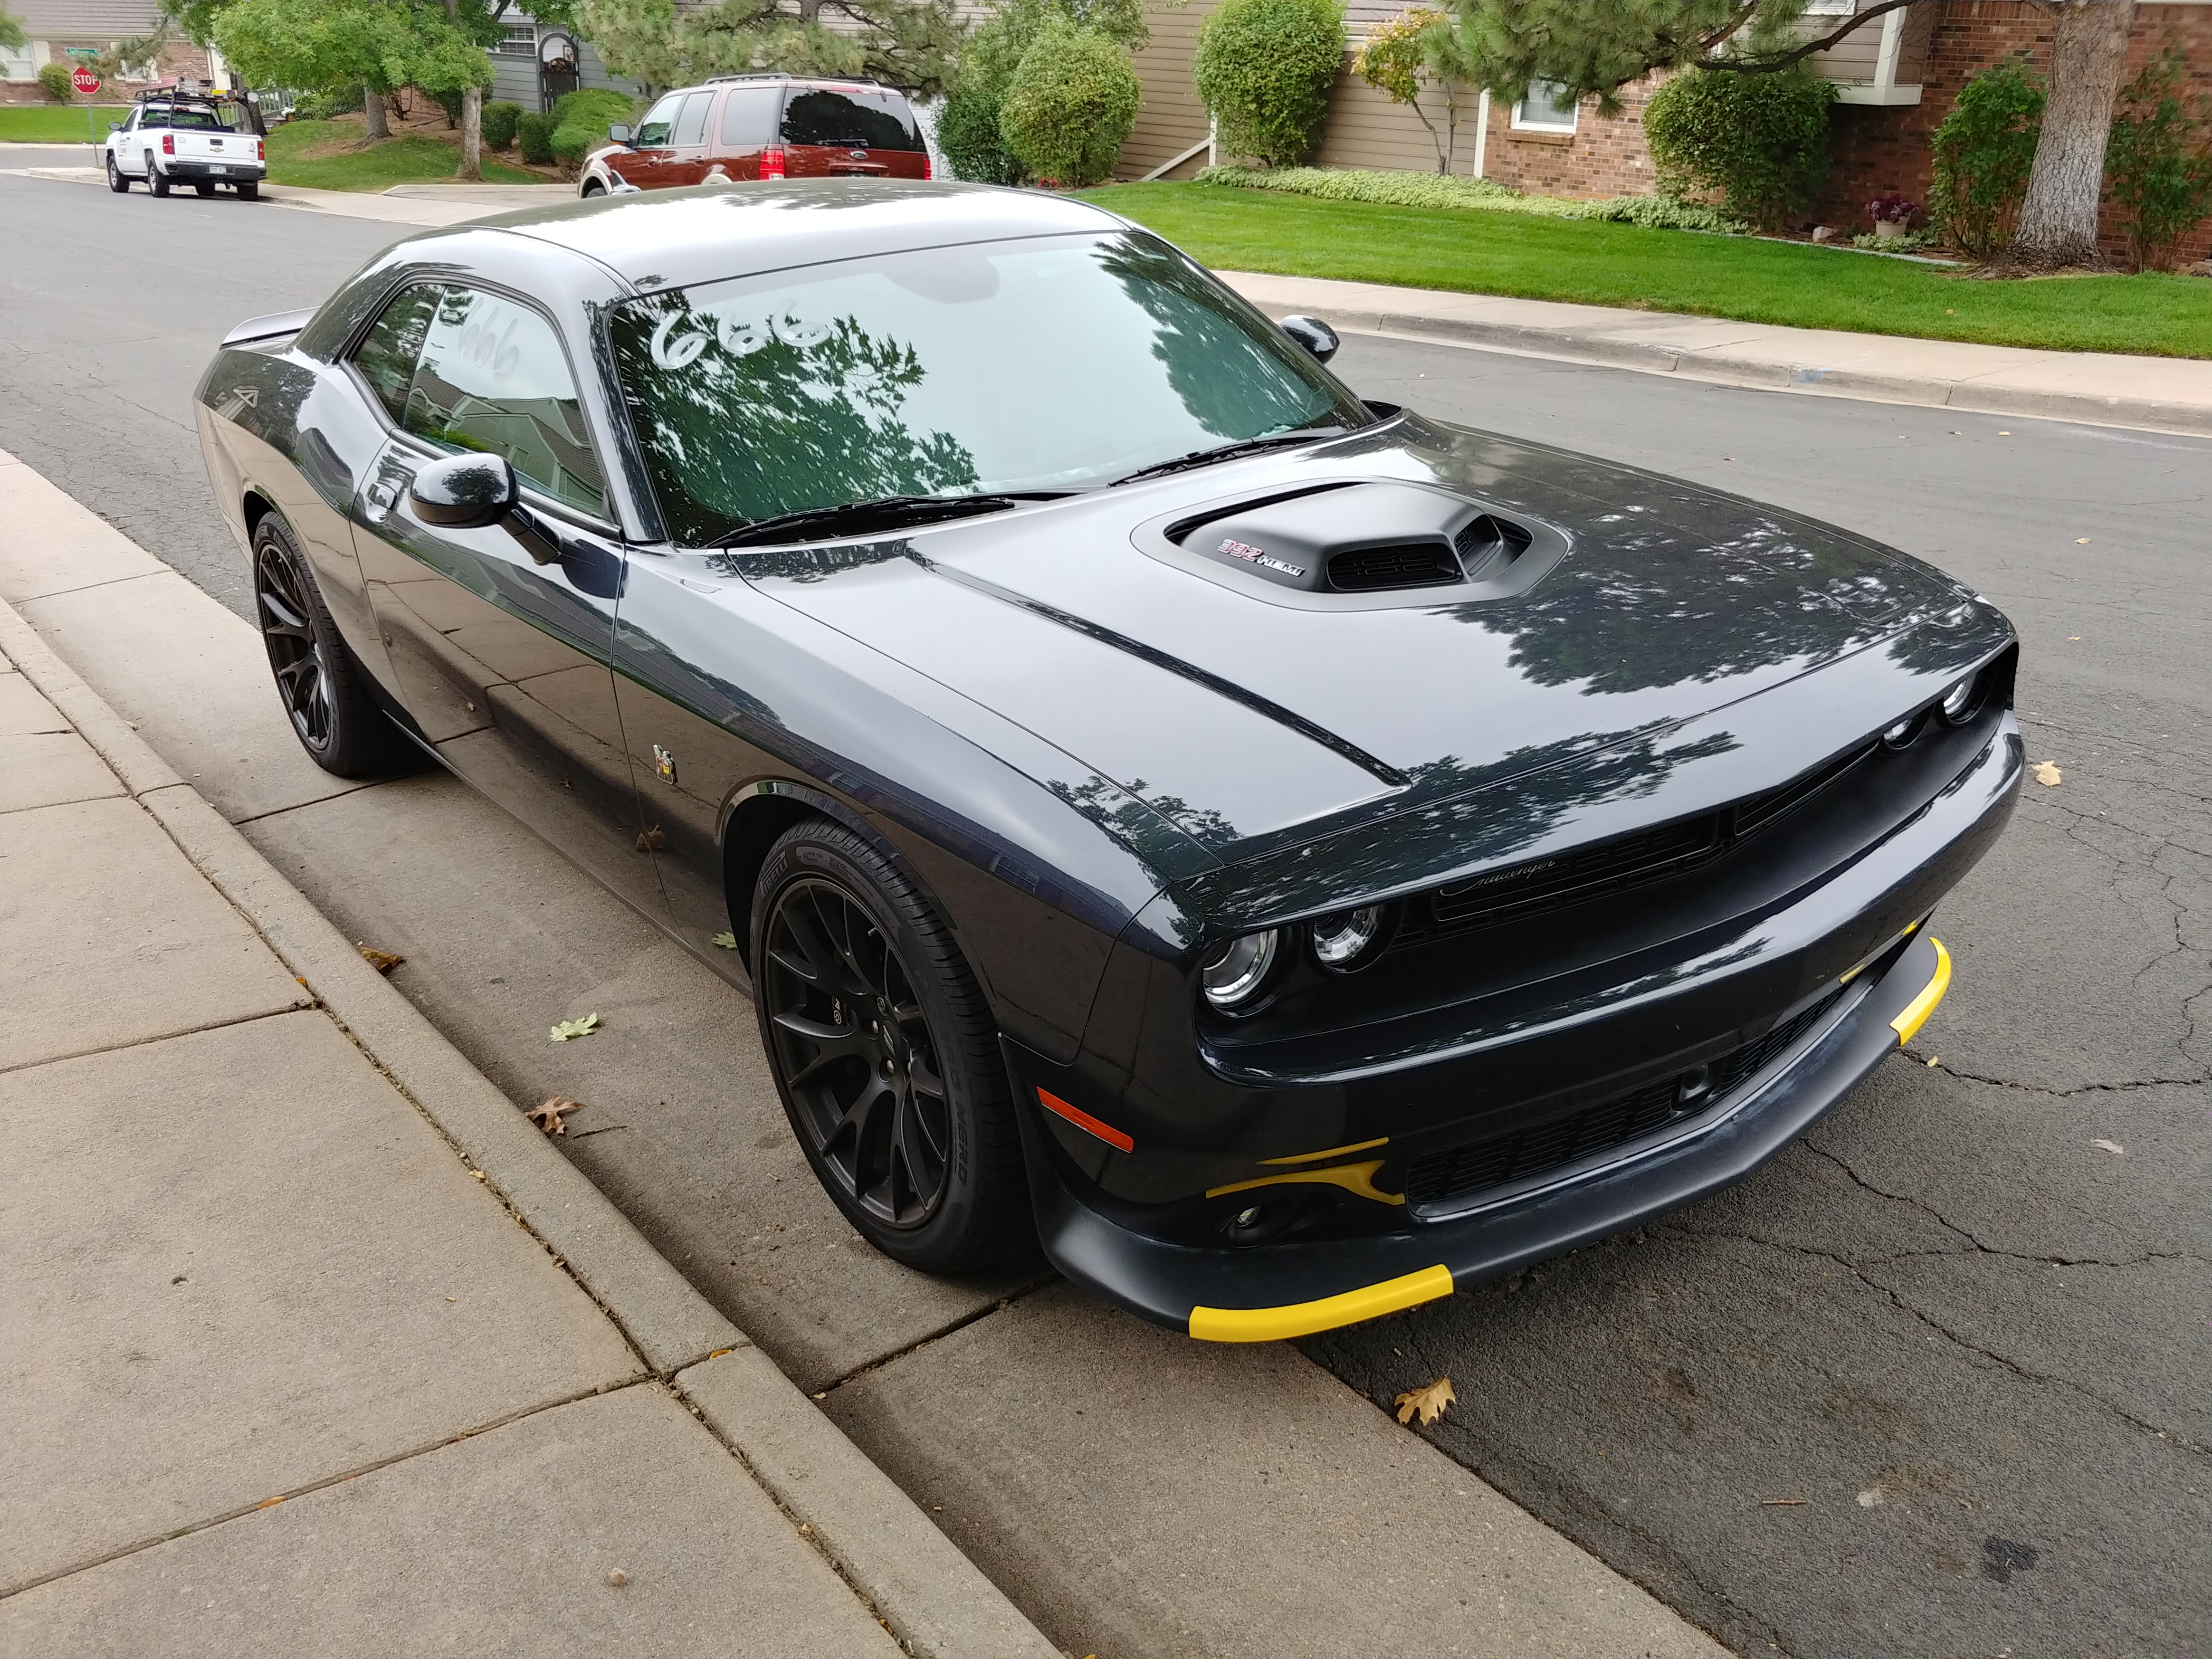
(2164, 394)
(299, 1360)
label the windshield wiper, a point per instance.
(884, 512)
(1231, 452)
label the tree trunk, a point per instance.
(372, 109)
(471, 134)
(2057, 228)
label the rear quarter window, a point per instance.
(749, 117)
(853, 119)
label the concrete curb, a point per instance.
(933, 1598)
(1567, 346)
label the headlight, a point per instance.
(1962, 700)
(1901, 735)
(1233, 975)
(1340, 941)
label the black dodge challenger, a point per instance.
(1293, 856)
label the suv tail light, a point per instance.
(926, 171)
(772, 162)
(169, 143)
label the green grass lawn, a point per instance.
(1610, 265)
(410, 160)
(58, 123)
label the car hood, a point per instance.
(1255, 725)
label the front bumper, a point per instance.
(1273, 1291)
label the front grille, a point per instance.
(1458, 1172)
(1413, 564)
(1588, 872)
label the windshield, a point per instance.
(1054, 364)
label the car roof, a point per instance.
(675, 238)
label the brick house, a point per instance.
(1896, 78)
(63, 30)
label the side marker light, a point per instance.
(1083, 1121)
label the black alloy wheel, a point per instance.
(324, 692)
(884, 1054)
(116, 181)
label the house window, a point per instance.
(1548, 108)
(16, 64)
(520, 40)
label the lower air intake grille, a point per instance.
(1458, 1172)
(1415, 564)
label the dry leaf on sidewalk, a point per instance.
(725, 941)
(548, 1116)
(652, 840)
(1429, 1401)
(383, 961)
(569, 1029)
(2047, 773)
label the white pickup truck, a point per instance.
(178, 138)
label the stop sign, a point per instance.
(85, 82)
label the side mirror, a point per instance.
(620, 134)
(464, 492)
(115, 126)
(1315, 336)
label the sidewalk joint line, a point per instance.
(310, 1004)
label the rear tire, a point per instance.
(155, 180)
(116, 181)
(325, 691)
(885, 1054)
(593, 187)
(249, 192)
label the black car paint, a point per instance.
(1144, 763)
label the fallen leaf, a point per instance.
(548, 1116)
(383, 961)
(2004, 434)
(1429, 1401)
(569, 1029)
(725, 941)
(652, 840)
(2047, 773)
(617, 1578)
(269, 1503)
(2081, 541)
(2111, 1147)
(1934, 1060)
(2073, 639)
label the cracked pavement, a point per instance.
(1932, 1382)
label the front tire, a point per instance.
(325, 691)
(116, 181)
(885, 1054)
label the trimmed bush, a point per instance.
(1265, 68)
(500, 121)
(967, 133)
(54, 80)
(1761, 141)
(1070, 105)
(321, 106)
(1429, 190)
(1984, 151)
(581, 120)
(533, 136)
(2158, 166)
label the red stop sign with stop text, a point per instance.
(85, 82)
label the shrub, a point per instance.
(54, 80)
(1265, 68)
(1912, 242)
(1070, 105)
(581, 120)
(2158, 164)
(498, 123)
(1760, 140)
(1892, 208)
(321, 106)
(967, 133)
(533, 136)
(447, 99)
(1984, 152)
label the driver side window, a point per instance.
(464, 369)
(652, 131)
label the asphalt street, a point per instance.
(1932, 1382)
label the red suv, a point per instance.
(763, 126)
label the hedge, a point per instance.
(1760, 140)
(500, 120)
(581, 120)
(1430, 190)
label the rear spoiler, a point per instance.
(275, 326)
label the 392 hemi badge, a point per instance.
(1252, 555)
(663, 762)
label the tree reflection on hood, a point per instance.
(742, 418)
